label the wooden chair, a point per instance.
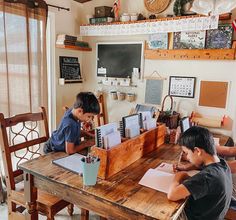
(21, 137)
(231, 215)
(101, 118)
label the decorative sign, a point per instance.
(189, 40)
(151, 27)
(220, 38)
(158, 41)
(182, 86)
(70, 69)
(154, 89)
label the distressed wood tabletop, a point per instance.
(119, 197)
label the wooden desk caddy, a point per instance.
(124, 154)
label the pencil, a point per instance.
(180, 157)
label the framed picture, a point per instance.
(189, 40)
(158, 41)
(70, 69)
(220, 38)
(182, 86)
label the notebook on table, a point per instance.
(72, 163)
(161, 177)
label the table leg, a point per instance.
(30, 197)
(84, 214)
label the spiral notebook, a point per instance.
(103, 130)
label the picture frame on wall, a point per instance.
(182, 86)
(220, 38)
(158, 41)
(189, 40)
(70, 69)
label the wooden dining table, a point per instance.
(119, 197)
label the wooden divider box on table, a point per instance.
(124, 154)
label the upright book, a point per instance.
(102, 131)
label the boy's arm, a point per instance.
(177, 190)
(184, 167)
(71, 148)
(226, 151)
(87, 133)
(232, 165)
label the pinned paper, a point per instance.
(102, 71)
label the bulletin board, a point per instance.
(153, 93)
(213, 94)
(182, 86)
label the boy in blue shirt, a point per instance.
(67, 136)
(210, 190)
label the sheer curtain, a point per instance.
(23, 76)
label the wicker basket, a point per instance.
(170, 118)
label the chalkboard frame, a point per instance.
(77, 78)
(122, 43)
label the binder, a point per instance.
(132, 131)
(111, 140)
(121, 129)
(130, 121)
(150, 124)
(103, 130)
(144, 115)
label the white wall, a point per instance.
(68, 22)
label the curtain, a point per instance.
(23, 76)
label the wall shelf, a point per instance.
(153, 26)
(192, 54)
(71, 47)
(131, 85)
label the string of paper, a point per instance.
(151, 27)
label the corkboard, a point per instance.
(213, 94)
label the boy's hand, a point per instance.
(182, 167)
(90, 142)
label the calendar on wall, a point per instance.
(182, 86)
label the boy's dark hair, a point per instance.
(198, 137)
(88, 102)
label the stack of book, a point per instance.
(64, 39)
(100, 20)
(68, 40)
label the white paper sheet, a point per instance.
(72, 163)
(161, 177)
(157, 180)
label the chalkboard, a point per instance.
(153, 94)
(118, 60)
(70, 68)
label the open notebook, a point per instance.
(161, 177)
(72, 163)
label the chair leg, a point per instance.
(50, 216)
(84, 214)
(70, 209)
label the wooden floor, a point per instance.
(60, 216)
